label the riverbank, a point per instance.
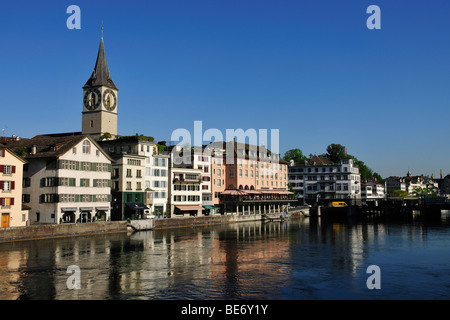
(60, 230)
(46, 231)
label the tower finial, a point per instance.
(102, 29)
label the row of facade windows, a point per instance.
(184, 187)
(186, 198)
(323, 177)
(69, 182)
(78, 165)
(55, 198)
(323, 169)
(245, 174)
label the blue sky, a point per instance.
(311, 69)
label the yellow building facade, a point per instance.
(11, 176)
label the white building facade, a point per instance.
(372, 191)
(67, 179)
(321, 179)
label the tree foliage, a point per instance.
(294, 154)
(336, 152)
(426, 192)
(398, 193)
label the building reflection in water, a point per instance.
(304, 258)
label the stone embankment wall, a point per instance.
(60, 230)
(78, 229)
(203, 220)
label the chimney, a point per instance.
(33, 149)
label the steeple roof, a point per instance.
(100, 76)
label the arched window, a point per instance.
(86, 146)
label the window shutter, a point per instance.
(1, 185)
(13, 185)
(13, 169)
(11, 201)
(2, 168)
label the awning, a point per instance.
(211, 207)
(102, 208)
(233, 192)
(86, 209)
(189, 208)
(252, 191)
(136, 205)
(68, 209)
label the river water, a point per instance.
(300, 259)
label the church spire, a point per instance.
(100, 76)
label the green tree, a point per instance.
(106, 136)
(398, 193)
(426, 192)
(294, 154)
(365, 171)
(336, 152)
(377, 177)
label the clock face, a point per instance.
(92, 99)
(109, 99)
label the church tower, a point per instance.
(100, 100)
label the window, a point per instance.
(85, 166)
(6, 185)
(134, 162)
(26, 182)
(84, 182)
(86, 147)
(6, 202)
(74, 150)
(159, 184)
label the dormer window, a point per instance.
(86, 147)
